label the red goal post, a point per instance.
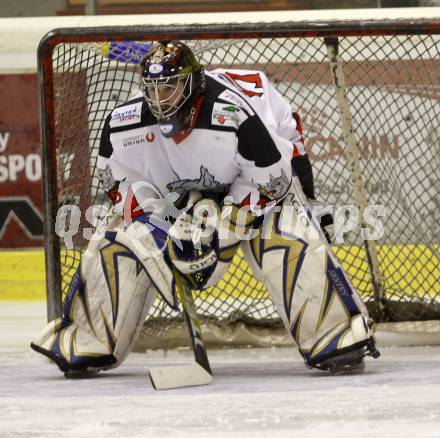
(368, 93)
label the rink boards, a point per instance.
(415, 268)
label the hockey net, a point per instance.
(391, 89)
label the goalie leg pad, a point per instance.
(308, 287)
(106, 304)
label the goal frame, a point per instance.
(321, 29)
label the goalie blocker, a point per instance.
(122, 272)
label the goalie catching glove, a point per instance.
(192, 243)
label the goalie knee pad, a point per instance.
(108, 299)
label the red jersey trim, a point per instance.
(180, 136)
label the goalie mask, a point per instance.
(172, 80)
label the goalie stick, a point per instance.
(196, 374)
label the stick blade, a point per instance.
(179, 376)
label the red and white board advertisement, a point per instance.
(21, 223)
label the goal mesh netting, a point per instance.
(393, 93)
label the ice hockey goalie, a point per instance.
(197, 165)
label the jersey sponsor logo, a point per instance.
(126, 115)
(133, 141)
(149, 136)
(230, 96)
(223, 115)
(138, 139)
(231, 108)
(204, 182)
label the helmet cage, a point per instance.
(164, 104)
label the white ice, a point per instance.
(255, 393)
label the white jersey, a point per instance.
(240, 145)
(270, 105)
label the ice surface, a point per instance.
(255, 393)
